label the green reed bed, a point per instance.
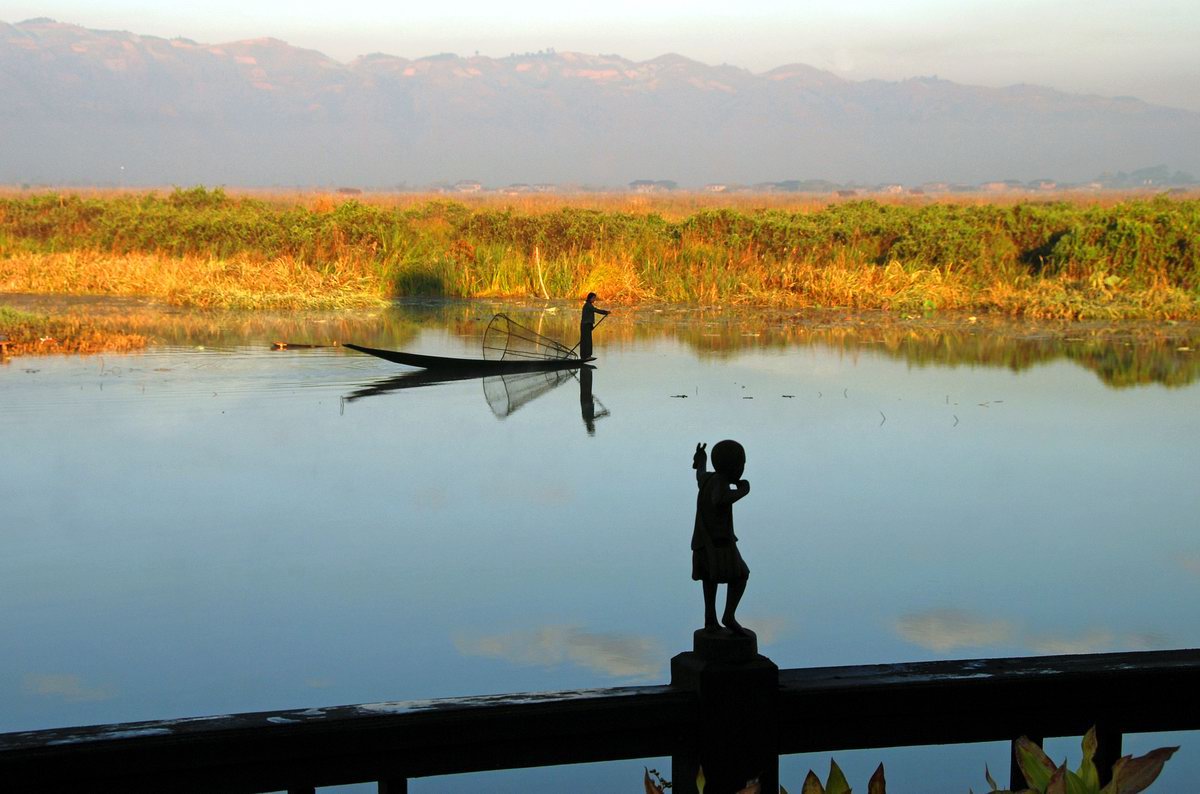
(1135, 258)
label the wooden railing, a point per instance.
(819, 709)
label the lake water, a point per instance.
(211, 526)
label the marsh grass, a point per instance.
(1133, 258)
(241, 282)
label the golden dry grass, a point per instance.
(242, 282)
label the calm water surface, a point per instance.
(211, 526)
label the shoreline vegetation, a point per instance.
(1077, 259)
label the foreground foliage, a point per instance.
(1137, 258)
(1129, 775)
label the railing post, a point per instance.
(736, 735)
(1108, 750)
(1016, 779)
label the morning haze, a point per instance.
(87, 106)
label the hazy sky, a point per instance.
(1146, 49)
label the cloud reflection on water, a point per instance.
(946, 629)
(943, 630)
(613, 654)
(69, 687)
(1094, 641)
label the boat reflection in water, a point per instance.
(505, 392)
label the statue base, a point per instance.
(723, 645)
(736, 732)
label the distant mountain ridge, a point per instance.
(91, 106)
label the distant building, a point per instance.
(652, 185)
(892, 190)
(468, 186)
(716, 187)
(349, 191)
(1043, 184)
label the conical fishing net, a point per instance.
(507, 340)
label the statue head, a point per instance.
(729, 459)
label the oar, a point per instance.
(594, 327)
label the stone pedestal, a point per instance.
(735, 737)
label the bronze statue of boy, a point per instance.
(715, 556)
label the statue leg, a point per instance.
(733, 595)
(710, 604)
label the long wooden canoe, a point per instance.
(477, 365)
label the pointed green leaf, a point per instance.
(1090, 743)
(1035, 765)
(1058, 781)
(836, 782)
(877, 784)
(1076, 784)
(1137, 774)
(812, 784)
(987, 773)
(1087, 767)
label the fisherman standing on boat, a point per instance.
(587, 322)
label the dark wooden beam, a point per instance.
(820, 709)
(270, 751)
(983, 700)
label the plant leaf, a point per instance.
(812, 784)
(877, 783)
(987, 773)
(1087, 767)
(836, 782)
(1035, 765)
(1075, 784)
(700, 781)
(1058, 781)
(1136, 774)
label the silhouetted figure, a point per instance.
(715, 556)
(587, 321)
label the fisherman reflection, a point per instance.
(588, 402)
(587, 321)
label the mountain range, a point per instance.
(85, 106)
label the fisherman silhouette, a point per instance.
(587, 321)
(715, 556)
